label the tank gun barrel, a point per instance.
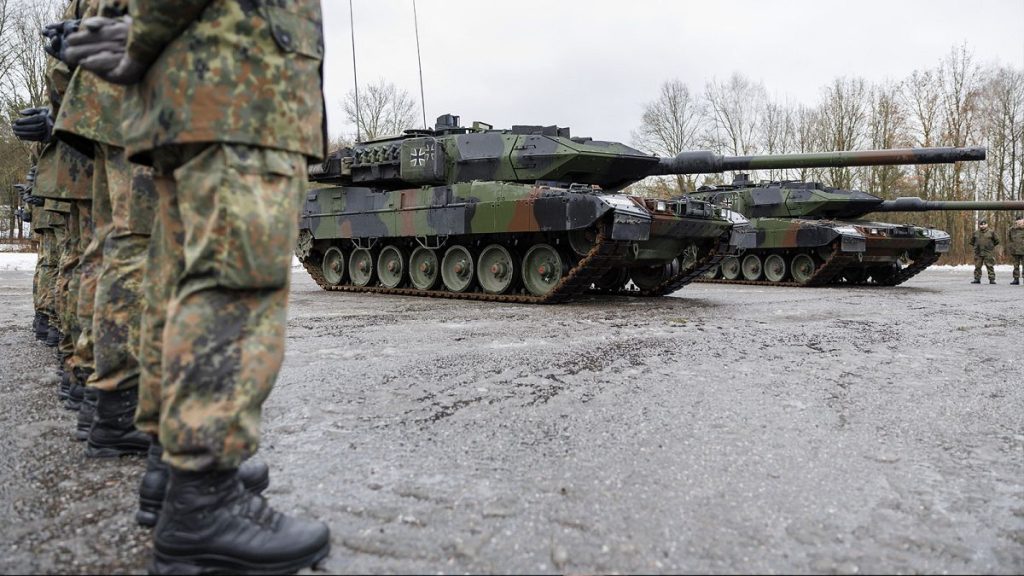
(711, 163)
(913, 204)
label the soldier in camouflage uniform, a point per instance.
(1015, 246)
(109, 292)
(984, 242)
(230, 172)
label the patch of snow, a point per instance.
(18, 261)
(969, 268)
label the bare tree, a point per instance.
(670, 125)
(843, 117)
(778, 133)
(385, 110)
(735, 107)
(887, 128)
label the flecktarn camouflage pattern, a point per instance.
(523, 215)
(808, 234)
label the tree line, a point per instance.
(957, 102)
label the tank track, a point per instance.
(915, 268)
(603, 255)
(682, 278)
(830, 270)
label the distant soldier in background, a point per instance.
(984, 242)
(1015, 245)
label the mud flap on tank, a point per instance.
(743, 236)
(630, 226)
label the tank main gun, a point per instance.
(711, 163)
(450, 154)
(914, 204)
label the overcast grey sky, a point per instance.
(592, 64)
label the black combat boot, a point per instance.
(76, 391)
(991, 281)
(41, 325)
(86, 415)
(255, 477)
(1016, 282)
(65, 384)
(52, 337)
(113, 432)
(209, 523)
(976, 281)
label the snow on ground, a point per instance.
(18, 261)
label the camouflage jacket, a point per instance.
(240, 71)
(1015, 243)
(984, 242)
(91, 108)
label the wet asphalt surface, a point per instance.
(724, 429)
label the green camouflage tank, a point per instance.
(529, 214)
(808, 234)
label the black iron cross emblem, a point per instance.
(420, 156)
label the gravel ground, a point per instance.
(724, 429)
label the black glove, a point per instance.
(31, 176)
(97, 35)
(35, 200)
(57, 33)
(23, 215)
(35, 125)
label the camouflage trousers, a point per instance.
(52, 269)
(990, 263)
(1018, 263)
(118, 304)
(42, 297)
(111, 175)
(76, 238)
(216, 291)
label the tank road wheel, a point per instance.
(775, 268)
(612, 280)
(334, 266)
(647, 278)
(731, 268)
(495, 269)
(581, 241)
(712, 273)
(360, 267)
(542, 269)
(803, 268)
(689, 257)
(391, 267)
(424, 268)
(457, 269)
(752, 267)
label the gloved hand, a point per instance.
(31, 176)
(57, 33)
(100, 48)
(97, 35)
(35, 125)
(23, 215)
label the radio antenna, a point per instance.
(419, 60)
(355, 76)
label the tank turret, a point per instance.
(815, 200)
(450, 153)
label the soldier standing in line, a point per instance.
(231, 172)
(1015, 245)
(984, 242)
(109, 291)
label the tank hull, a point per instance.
(500, 240)
(813, 252)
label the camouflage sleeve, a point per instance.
(58, 76)
(113, 8)
(155, 23)
(995, 239)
